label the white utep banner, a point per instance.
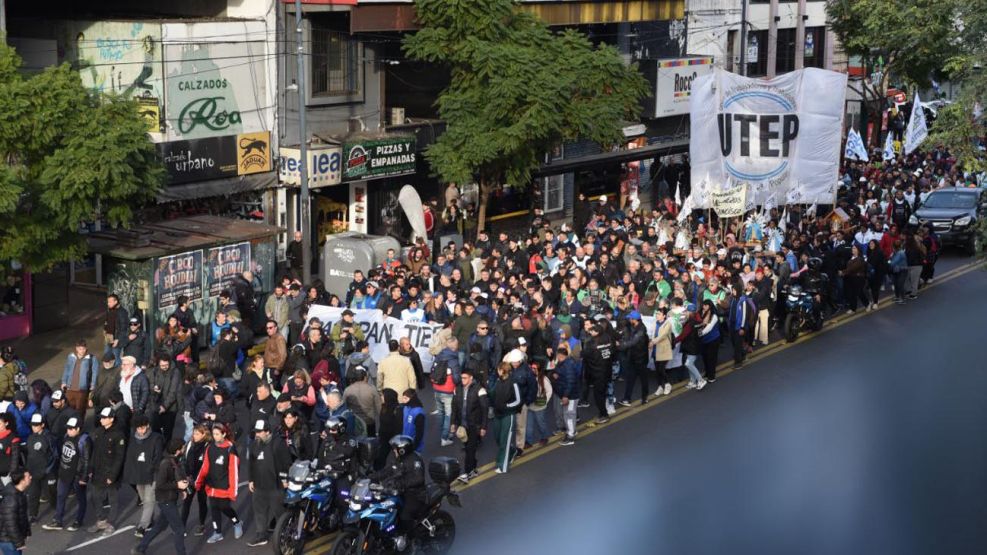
(777, 135)
(379, 329)
(917, 130)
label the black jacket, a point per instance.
(506, 397)
(192, 457)
(138, 347)
(475, 410)
(261, 410)
(10, 448)
(268, 464)
(56, 419)
(406, 475)
(598, 356)
(142, 458)
(109, 451)
(166, 478)
(166, 389)
(635, 344)
(15, 527)
(39, 455)
(339, 452)
(140, 392)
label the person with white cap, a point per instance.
(72, 474)
(40, 461)
(268, 462)
(106, 466)
(58, 415)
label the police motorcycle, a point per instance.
(371, 522)
(804, 304)
(310, 507)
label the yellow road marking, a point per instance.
(323, 544)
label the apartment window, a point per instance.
(757, 53)
(786, 51)
(553, 195)
(815, 47)
(336, 66)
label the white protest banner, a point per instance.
(855, 149)
(729, 204)
(774, 134)
(917, 130)
(380, 329)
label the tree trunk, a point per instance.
(481, 213)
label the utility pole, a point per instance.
(800, 36)
(743, 37)
(303, 151)
(772, 39)
(3, 19)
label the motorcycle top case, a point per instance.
(443, 469)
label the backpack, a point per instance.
(440, 371)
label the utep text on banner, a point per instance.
(775, 135)
(380, 329)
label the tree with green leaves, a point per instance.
(517, 89)
(68, 156)
(904, 40)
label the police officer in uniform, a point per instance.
(268, 464)
(598, 362)
(404, 471)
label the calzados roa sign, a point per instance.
(178, 275)
(372, 158)
(780, 136)
(224, 264)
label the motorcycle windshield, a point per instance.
(361, 491)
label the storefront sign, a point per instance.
(374, 158)
(216, 157)
(178, 275)
(223, 264)
(673, 84)
(325, 166)
(215, 79)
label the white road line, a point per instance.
(101, 538)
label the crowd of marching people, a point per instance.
(533, 327)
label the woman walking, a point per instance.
(506, 402)
(219, 476)
(709, 339)
(192, 457)
(878, 269)
(855, 280)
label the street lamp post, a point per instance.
(303, 152)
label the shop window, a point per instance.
(786, 51)
(553, 194)
(815, 47)
(757, 53)
(11, 290)
(335, 70)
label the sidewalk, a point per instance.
(45, 352)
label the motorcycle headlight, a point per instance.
(964, 221)
(356, 506)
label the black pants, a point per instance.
(39, 486)
(268, 505)
(470, 447)
(164, 423)
(168, 517)
(710, 353)
(737, 341)
(660, 370)
(203, 508)
(876, 281)
(104, 499)
(635, 372)
(854, 287)
(599, 383)
(218, 507)
(928, 271)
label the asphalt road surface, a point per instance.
(868, 438)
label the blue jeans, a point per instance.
(538, 427)
(168, 516)
(61, 498)
(117, 352)
(8, 548)
(690, 364)
(443, 402)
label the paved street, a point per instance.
(867, 438)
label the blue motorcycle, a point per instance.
(310, 507)
(370, 524)
(803, 312)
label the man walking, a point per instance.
(469, 414)
(143, 456)
(269, 461)
(73, 474)
(80, 374)
(40, 461)
(14, 525)
(109, 449)
(115, 326)
(170, 486)
(395, 371)
(166, 386)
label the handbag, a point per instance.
(462, 434)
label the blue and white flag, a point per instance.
(917, 130)
(855, 148)
(889, 148)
